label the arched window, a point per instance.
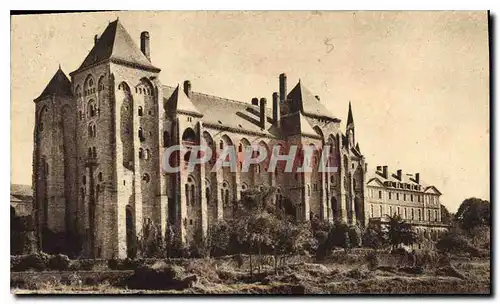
(100, 84)
(190, 191)
(225, 193)
(419, 214)
(141, 153)
(139, 111)
(89, 86)
(189, 136)
(381, 211)
(140, 133)
(99, 176)
(146, 178)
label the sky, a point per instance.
(418, 81)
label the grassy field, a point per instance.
(300, 276)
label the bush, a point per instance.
(454, 243)
(157, 276)
(427, 259)
(59, 262)
(37, 261)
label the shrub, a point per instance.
(454, 243)
(36, 261)
(427, 259)
(83, 264)
(59, 262)
(157, 276)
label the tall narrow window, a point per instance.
(379, 194)
(140, 133)
(139, 111)
(381, 211)
(141, 153)
(165, 139)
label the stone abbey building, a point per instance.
(100, 136)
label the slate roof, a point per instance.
(220, 111)
(116, 43)
(59, 85)
(311, 106)
(405, 178)
(20, 193)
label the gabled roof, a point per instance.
(116, 44)
(311, 106)
(179, 102)
(225, 113)
(432, 189)
(59, 85)
(375, 180)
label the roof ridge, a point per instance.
(218, 97)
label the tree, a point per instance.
(375, 237)
(473, 212)
(399, 232)
(446, 216)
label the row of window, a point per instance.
(402, 185)
(405, 213)
(403, 196)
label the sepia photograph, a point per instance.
(250, 152)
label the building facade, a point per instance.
(100, 139)
(408, 196)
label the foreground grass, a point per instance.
(216, 277)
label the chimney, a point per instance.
(262, 113)
(399, 174)
(276, 110)
(255, 101)
(96, 39)
(145, 45)
(283, 91)
(384, 171)
(187, 88)
(417, 178)
(379, 168)
(317, 97)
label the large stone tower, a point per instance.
(116, 89)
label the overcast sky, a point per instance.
(418, 81)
